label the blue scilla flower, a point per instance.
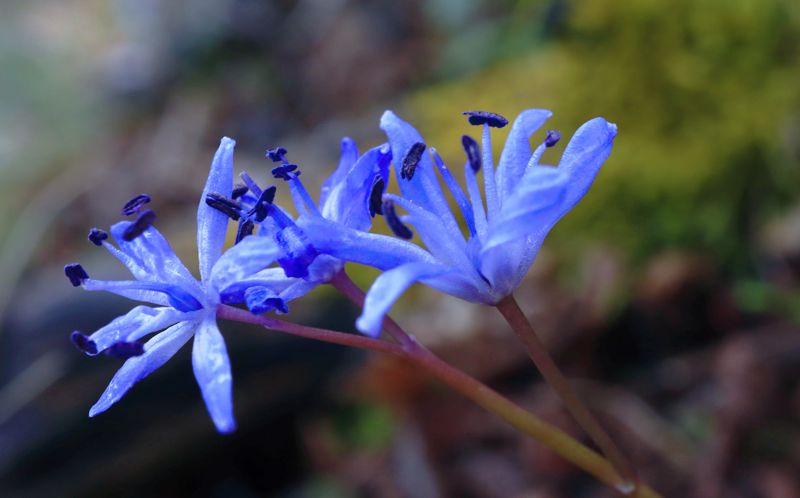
(184, 307)
(349, 200)
(524, 199)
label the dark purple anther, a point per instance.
(410, 162)
(83, 343)
(238, 191)
(397, 226)
(473, 152)
(552, 138)
(76, 274)
(226, 206)
(482, 117)
(138, 226)
(277, 155)
(283, 171)
(97, 236)
(125, 349)
(245, 228)
(375, 197)
(262, 207)
(134, 205)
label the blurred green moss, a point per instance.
(706, 97)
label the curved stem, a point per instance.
(511, 311)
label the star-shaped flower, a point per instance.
(185, 307)
(524, 200)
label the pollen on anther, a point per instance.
(138, 226)
(375, 197)
(76, 274)
(238, 191)
(473, 152)
(83, 342)
(483, 117)
(552, 138)
(228, 207)
(125, 350)
(135, 204)
(97, 236)
(411, 160)
(245, 229)
(277, 154)
(397, 226)
(283, 171)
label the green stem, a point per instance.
(511, 311)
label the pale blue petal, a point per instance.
(387, 288)
(212, 224)
(423, 188)
(137, 323)
(212, 368)
(380, 251)
(585, 153)
(246, 258)
(517, 150)
(150, 257)
(157, 351)
(348, 158)
(152, 292)
(348, 201)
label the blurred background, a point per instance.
(671, 294)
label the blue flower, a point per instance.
(349, 199)
(185, 307)
(524, 200)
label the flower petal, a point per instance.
(212, 224)
(348, 158)
(380, 251)
(387, 288)
(585, 153)
(246, 258)
(152, 292)
(517, 150)
(212, 368)
(157, 351)
(137, 323)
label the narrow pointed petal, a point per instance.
(348, 200)
(157, 351)
(585, 154)
(150, 257)
(246, 258)
(380, 251)
(132, 326)
(517, 150)
(348, 158)
(212, 224)
(423, 187)
(387, 288)
(140, 290)
(212, 368)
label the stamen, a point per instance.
(277, 154)
(552, 138)
(251, 184)
(226, 206)
(83, 343)
(375, 196)
(238, 191)
(283, 171)
(142, 223)
(473, 152)
(76, 274)
(483, 117)
(245, 228)
(261, 209)
(397, 226)
(134, 205)
(125, 349)
(97, 236)
(411, 160)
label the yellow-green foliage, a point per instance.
(704, 92)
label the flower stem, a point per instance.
(511, 311)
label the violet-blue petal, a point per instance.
(212, 368)
(380, 251)
(249, 256)
(137, 323)
(157, 351)
(586, 152)
(212, 224)
(389, 286)
(140, 290)
(348, 157)
(517, 150)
